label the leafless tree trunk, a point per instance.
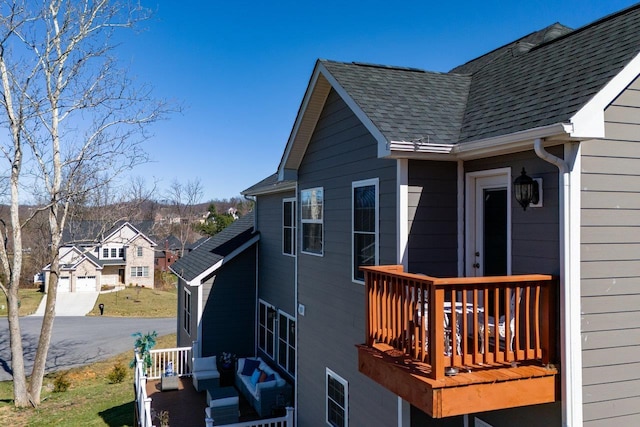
(184, 199)
(75, 123)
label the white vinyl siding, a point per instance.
(364, 203)
(312, 208)
(337, 400)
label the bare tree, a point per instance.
(74, 121)
(184, 199)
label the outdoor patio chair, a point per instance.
(205, 370)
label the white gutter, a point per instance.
(570, 330)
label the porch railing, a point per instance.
(179, 357)
(142, 402)
(284, 421)
(458, 322)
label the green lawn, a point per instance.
(138, 302)
(90, 401)
(29, 301)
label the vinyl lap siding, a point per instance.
(341, 151)
(433, 222)
(534, 232)
(276, 272)
(610, 267)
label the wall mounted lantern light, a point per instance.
(526, 190)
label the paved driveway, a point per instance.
(78, 340)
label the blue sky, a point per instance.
(240, 68)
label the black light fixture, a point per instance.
(526, 190)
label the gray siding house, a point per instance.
(216, 292)
(395, 245)
(417, 171)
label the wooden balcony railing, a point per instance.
(458, 322)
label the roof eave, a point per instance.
(320, 84)
(279, 188)
(588, 122)
(197, 280)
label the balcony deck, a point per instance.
(407, 351)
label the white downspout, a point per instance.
(570, 330)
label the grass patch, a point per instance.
(137, 302)
(91, 400)
(29, 301)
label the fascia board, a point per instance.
(197, 281)
(588, 122)
(300, 119)
(279, 189)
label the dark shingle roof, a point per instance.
(541, 79)
(552, 81)
(269, 184)
(215, 248)
(406, 104)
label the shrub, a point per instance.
(61, 383)
(117, 374)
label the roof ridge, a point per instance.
(588, 26)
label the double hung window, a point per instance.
(267, 329)
(289, 227)
(287, 342)
(186, 320)
(365, 226)
(337, 400)
(312, 207)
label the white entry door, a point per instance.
(488, 223)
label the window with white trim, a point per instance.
(337, 400)
(267, 328)
(139, 251)
(105, 252)
(364, 203)
(186, 311)
(121, 253)
(287, 342)
(140, 271)
(289, 227)
(114, 252)
(312, 207)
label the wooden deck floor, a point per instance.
(186, 405)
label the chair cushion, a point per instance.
(250, 365)
(205, 364)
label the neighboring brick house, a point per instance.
(125, 256)
(167, 252)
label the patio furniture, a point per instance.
(169, 382)
(223, 405)
(261, 385)
(205, 372)
(501, 324)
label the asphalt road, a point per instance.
(78, 341)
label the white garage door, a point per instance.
(86, 284)
(64, 285)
